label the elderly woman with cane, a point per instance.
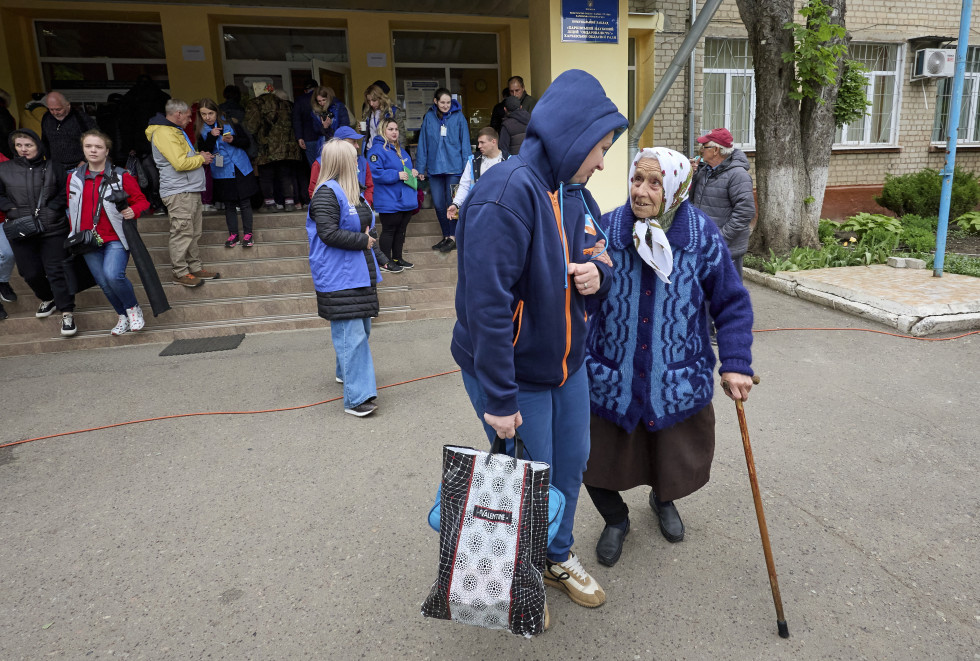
(650, 359)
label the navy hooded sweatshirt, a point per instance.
(521, 323)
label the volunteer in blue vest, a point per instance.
(344, 262)
(234, 177)
(444, 149)
(530, 261)
(489, 156)
(394, 197)
(91, 207)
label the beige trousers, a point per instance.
(186, 222)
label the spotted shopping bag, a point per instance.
(493, 533)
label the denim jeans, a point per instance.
(556, 431)
(108, 267)
(441, 189)
(354, 363)
(6, 257)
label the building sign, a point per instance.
(418, 99)
(590, 21)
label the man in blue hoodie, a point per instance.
(528, 265)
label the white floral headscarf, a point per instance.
(649, 237)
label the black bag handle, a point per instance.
(499, 444)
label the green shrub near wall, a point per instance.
(919, 192)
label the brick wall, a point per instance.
(884, 21)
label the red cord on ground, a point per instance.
(431, 376)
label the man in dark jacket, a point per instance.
(516, 85)
(34, 186)
(61, 130)
(722, 188)
(498, 113)
(304, 128)
(526, 270)
(514, 126)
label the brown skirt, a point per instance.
(675, 461)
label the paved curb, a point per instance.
(918, 321)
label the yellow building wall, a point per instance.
(607, 62)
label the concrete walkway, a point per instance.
(912, 301)
(301, 535)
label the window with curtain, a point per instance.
(728, 99)
(879, 126)
(969, 129)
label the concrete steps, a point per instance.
(261, 289)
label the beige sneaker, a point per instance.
(571, 577)
(547, 618)
(205, 274)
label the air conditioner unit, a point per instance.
(934, 63)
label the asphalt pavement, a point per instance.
(302, 534)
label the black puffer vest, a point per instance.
(27, 181)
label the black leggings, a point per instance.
(278, 181)
(393, 229)
(41, 262)
(610, 504)
(231, 218)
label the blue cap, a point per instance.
(347, 133)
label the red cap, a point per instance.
(721, 137)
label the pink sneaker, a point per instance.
(247, 241)
(233, 240)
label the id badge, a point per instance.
(443, 131)
(219, 161)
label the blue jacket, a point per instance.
(649, 355)
(340, 118)
(521, 324)
(232, 156)
(334, 269)
(443, 155)
(391, 194)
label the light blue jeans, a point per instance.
(355, 367)
(6, 257)
(108, 267)
(556, 431)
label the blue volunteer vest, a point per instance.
(233, 156)
(334, 269)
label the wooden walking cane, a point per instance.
(763, 529)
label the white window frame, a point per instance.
(729, 73)
(972, 136)
(865, 140)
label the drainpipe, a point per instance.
(690, 85)
(670, 75)
(952, 131)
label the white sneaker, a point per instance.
(121, 326)
(571, 577)
(135, 315)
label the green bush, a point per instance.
(917, 239)
(919, 193)
(961, 264)
(826, 231)
(863, 223)
(970, 222)
(912, 220)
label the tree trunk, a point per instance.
(793, 140)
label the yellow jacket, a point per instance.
(181, 167)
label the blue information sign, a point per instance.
(592, 21)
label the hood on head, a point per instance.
(32, 135)
(453, 107)
(571, 117)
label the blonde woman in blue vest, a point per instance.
(344, 262)
(234, 177)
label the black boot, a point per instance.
(670, 521)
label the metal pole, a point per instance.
(670, 75)
(952, 132)
(691, 62)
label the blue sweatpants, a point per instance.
(556, 431)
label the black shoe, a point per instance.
(391, 267)
(68, 327)
(45, 309)
(670, 521)
(610, 545)
(448, 246)
(439, 245)
(7, 294)
(3, 313)
(361, 410)
(402, 263)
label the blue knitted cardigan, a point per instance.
(649, 353)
